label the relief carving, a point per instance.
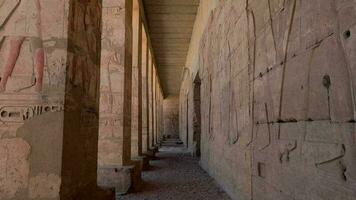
(23, 113)
(22, 22)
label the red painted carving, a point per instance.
(17, 38)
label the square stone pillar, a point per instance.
(157, 109)
(144, 99)
(115, 167)
(136, 133)
(49, 99)
(150, 128)
(153, 99)
(149, 98)
(136, 126)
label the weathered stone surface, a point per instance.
(14, 167)
(34, 56)
(171, 116)
(119, 178)
(44, 186)
(112, 80)
(123, 179)
(145, 108)
(49, 96)
(277, 97)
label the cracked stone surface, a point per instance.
(176, 175)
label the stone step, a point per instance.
(171, 142)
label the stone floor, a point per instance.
(176, 175)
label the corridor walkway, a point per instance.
(176, 175)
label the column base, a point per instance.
(124, 179)
(149, 155)
(145, 162)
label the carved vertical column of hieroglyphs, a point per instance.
(33, 43)
(115, 87)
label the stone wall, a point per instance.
(171, 116)
(277, 98)
(33, 39)
(49, 98)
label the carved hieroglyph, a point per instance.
(278, 106)
(33, 60)
(112, 83)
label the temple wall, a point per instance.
(277, 98)
(33, 62)
(49, 98)
(171, 116)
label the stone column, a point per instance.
(136, 142)
(49, 99)
(116, 169)
(143, 103)
(149, 152)
(140, 121)
(153, 78)
(156, 109)
(150, 120)
(160, 114)
(144, 92)
(149, 99)
(136, 64)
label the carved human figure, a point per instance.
(21, 20)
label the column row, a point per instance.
(80, 99)
(131, 97)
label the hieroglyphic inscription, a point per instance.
(22, 113)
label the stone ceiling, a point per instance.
(170, 24)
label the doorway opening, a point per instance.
(197, 117)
